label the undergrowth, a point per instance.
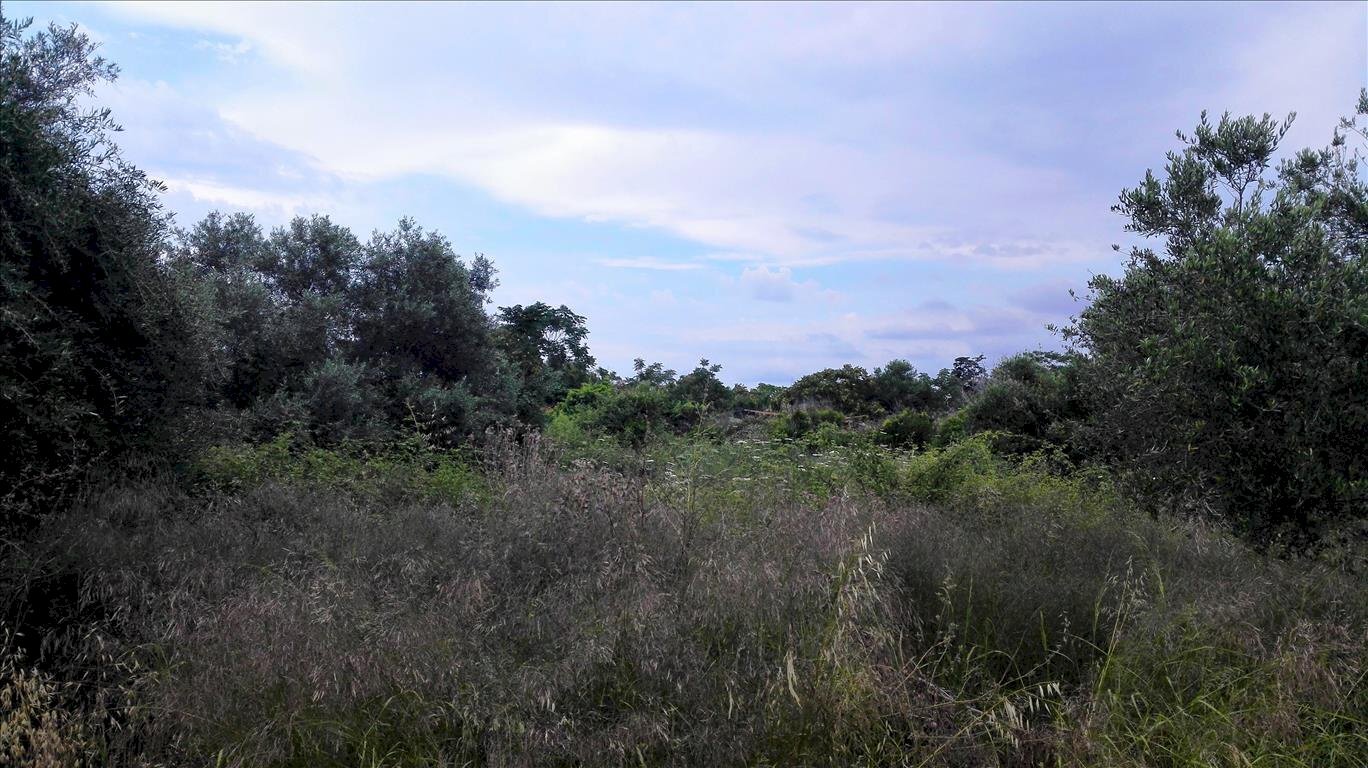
(723, 601)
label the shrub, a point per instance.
(908, 429)
(100, 342)
(951, 429)
(1226, 374)
(800, 422)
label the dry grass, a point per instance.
(574, 615)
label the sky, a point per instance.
(778, 188)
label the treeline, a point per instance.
(125, 339)
(1225, 373)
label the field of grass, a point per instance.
(738, 601)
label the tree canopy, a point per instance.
(1226, 371)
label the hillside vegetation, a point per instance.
(296, 498)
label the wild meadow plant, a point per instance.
(702, 602)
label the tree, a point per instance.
(546, 347)
(1228, 372)
(280, 307)
(1032, 396)
(969, 371)
(311, 257)
(898, 385)
(701, 386)
(420, 325)
(655, 374)
(909, 429)
(848, 389)
(98, 338)
(419, 309)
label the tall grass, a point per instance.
(695, 603)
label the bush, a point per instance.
(951, 429)
(798, 423)
(1226, 374)
(396, 471)
(100, 340)
(908, 429)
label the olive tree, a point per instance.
(1227, 368)
(97, 337)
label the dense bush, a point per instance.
(634, 413)
(801, 422)
(99, 340)
(1226, 372)
(908, 429)
(1032, 397)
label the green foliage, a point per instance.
(798, 423)
(909, 429)
(951, 429)
(99, 339)
(655, 374)
(639, 411)
(546, 347)
(633, 413)
(315, 331)
(702, 387)
(898, 386)
(1032, 396)
(895, 387)
(1226, 374)
(419, 309)
(761, 397)
(398, 471)
(847, 389)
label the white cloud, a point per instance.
(778, 285)
(229, 53)
(788, 141)
(573, 111)
(1307, 59)
(215, 193)
(387, 108)
(765, 285)
(647, 262)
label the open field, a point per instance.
(735, 602)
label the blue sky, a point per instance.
(779, 188)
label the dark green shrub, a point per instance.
(909, 429)
(797, 423)
(100, 341)
(848, 389)
(1228, 372)
(951, 429)
(1032, 401)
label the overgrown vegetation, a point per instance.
(295, 499)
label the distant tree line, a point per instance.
(1224, 373)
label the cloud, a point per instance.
(778, 285)
(950, 166)
(245, 198)
(1307, 58)
(229, 53)
(941, 320)
(1051, 297)
(650, 263)
(790, 193)
(769, 286)
(930, 334)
